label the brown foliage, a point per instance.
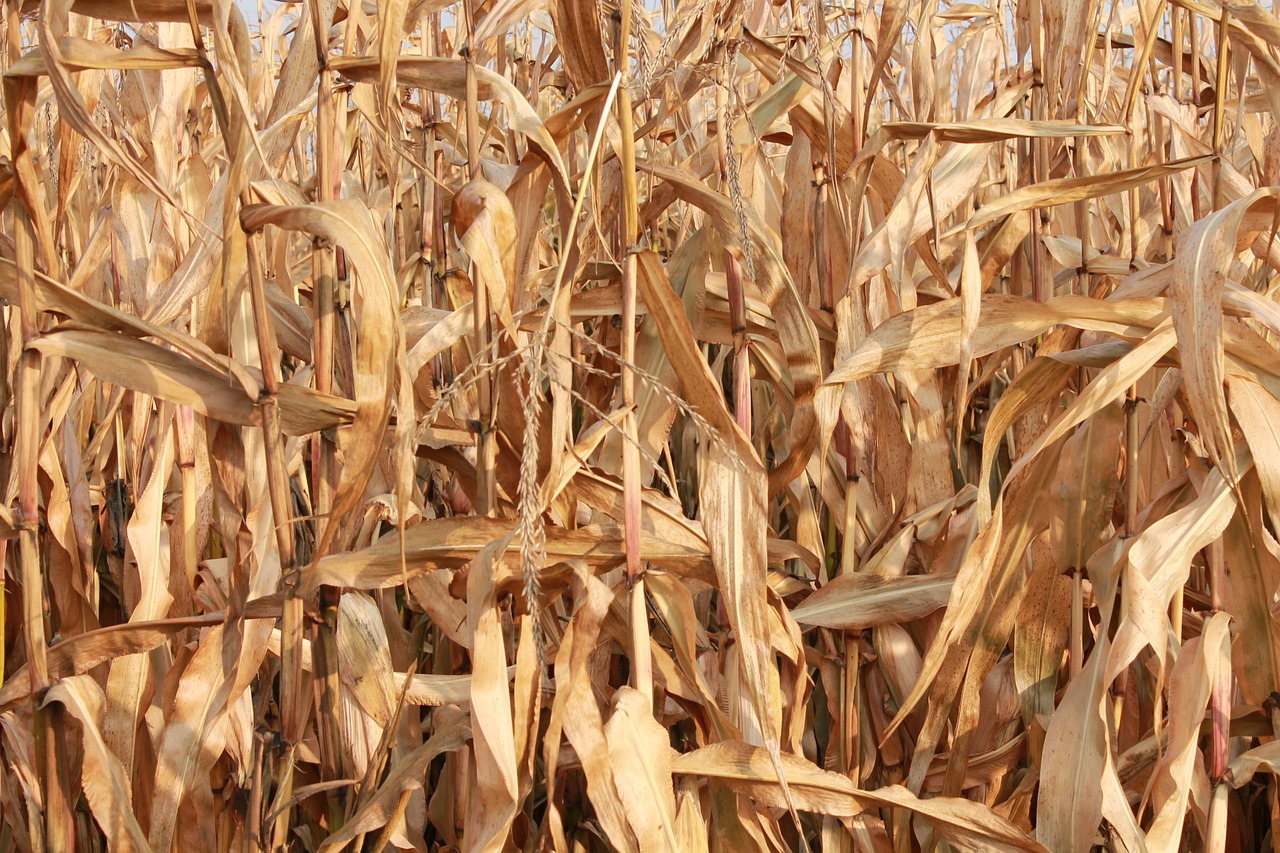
(669, 426)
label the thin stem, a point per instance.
(642, 658)
(20, 108)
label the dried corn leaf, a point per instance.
(855, 601)
(1067, 190)
(994, 130)
(449, 77)
(380, 345)
(454, 542)
(964, 824)
(1204, 252)
(641, 753)
(364, 658)
(106, 784)
(407, 775)
(494, 806)
(1189, 686)
(1077, 745)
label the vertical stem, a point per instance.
(292, 701)
(426, 200)
(1215, 840)
(857, 110)
(1193, 33)
(1077, 621)
(1131, 439)
(850, 706)
(283, 773)
(1122, 680)
(1220, 695)
(1041, 276)
(1166, 186)
(1131, 463)
(1082, 226)
(1175, 21)
(19, 96)
(184, 430)
(253, 813)
(1078, 153)
(324, 276)
(1137, 72)
(486, 447)
(435, 250)
(325, 668)
(269, 355)
(60, 826)
(859, 89)
(1166, 191)
(827, 297)
(822, 258)
(236, 135)
(427, 193)
(733, 278)
(4, 609)
(641, 655)
(849, 554)
(1220, 104)
(322, 262)
(472, 101)
(26, 454)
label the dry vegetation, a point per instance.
(555, 425)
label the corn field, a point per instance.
(488, 425)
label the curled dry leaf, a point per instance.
(484, 222)
(380, 345)
(106, 785)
